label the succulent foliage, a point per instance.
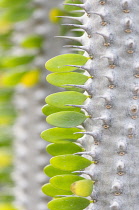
(109, 115)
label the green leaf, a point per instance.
(82, 187)
(5, 175)
(60, 79)
(5, 198)
(58, 63)
(54, 135)
(5, 142)
(12, 78)
(75, 89)
(7, 206)
(70, 162)
(6, 40)
(50, 171)
(66, 119)
(17, 14)
(34, 41)
(68, 203)
(5, 137)
(69, 8)
(63, 148)
(49, 109)
(13, 61)
(7, 114)
(67, 97)
(13, 3)
(6, 94)
(50, 190)
(64, 181)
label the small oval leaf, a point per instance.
(60, 79)
(13, 3)
(70, 8)
(64, 181)
(7, 206)
(58, 63)
(50, 190)
(30, 78)
(33, 41)
(62, 99)
(6, 94)
(82, 187)
(12, 78)
(5, 158)
(10, 15)
(5, 175)
(49, 109)
(66, 119)
(13, 61)
(55, 134)
(50, 171)
(68, 203)
(63, 148)
(70, 162)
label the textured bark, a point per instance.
(112, 39)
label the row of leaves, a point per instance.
(17, 69)
(65, 165)
(7, 118)
(56, 13)
(13, 70)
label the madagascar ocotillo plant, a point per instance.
(103, 118)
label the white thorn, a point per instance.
(128, 25)
(107, 38)
(71, 17)
(115, 206)
(117, 187)
(125, 6)
(130, 131)
(122, 147)
(112, 60)
(76, 5)
(130, 46)
(120, 167)
(78, 39)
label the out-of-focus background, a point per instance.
(27, 30)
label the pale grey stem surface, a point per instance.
(115, 48)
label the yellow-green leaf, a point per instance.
(63, 148)
(32, 41)
(70, 162)
(51, 171)
(52, 191)
(82, 187)
(49, 109)
(13, 61)
(58, 63)
(56, 135)
(66, 119)
(7, 206)
(13, 3)
(68, 203)
(70, 8)
(64, 98)
(17, 14)
(64, 181)
(60, 79)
